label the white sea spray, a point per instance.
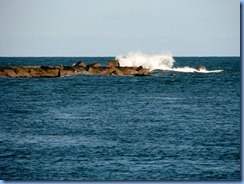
(157, 62)
(152, 62)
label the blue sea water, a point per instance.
(169, 126)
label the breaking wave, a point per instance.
(156, 62)
(152, 62)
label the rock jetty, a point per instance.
(80, 68)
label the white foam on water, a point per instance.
(156, 62)
(190, 70)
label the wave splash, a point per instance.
(156, 62)
(152, 62)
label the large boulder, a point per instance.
(54, 72)
(111, 71)
(21, 72)
(9, 72)
(116, 72)
(104, 71)
(50, 71)
(113, 63)
(94, 68)
(128, 70)
(94, 71)
(142, 71)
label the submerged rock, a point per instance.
(199, 68)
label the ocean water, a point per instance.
(173, 125)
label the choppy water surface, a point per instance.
(169, 126)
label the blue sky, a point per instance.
(115, 27)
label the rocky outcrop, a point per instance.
(80, 68)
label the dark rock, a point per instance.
(65, 67)
(2, 74)
(142, 71)
(139, 68)
(45, 67)
(49, 67)
(198, 68)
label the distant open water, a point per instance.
(171, 126)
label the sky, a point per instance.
(117, 27)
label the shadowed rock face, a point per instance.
(80, 68)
